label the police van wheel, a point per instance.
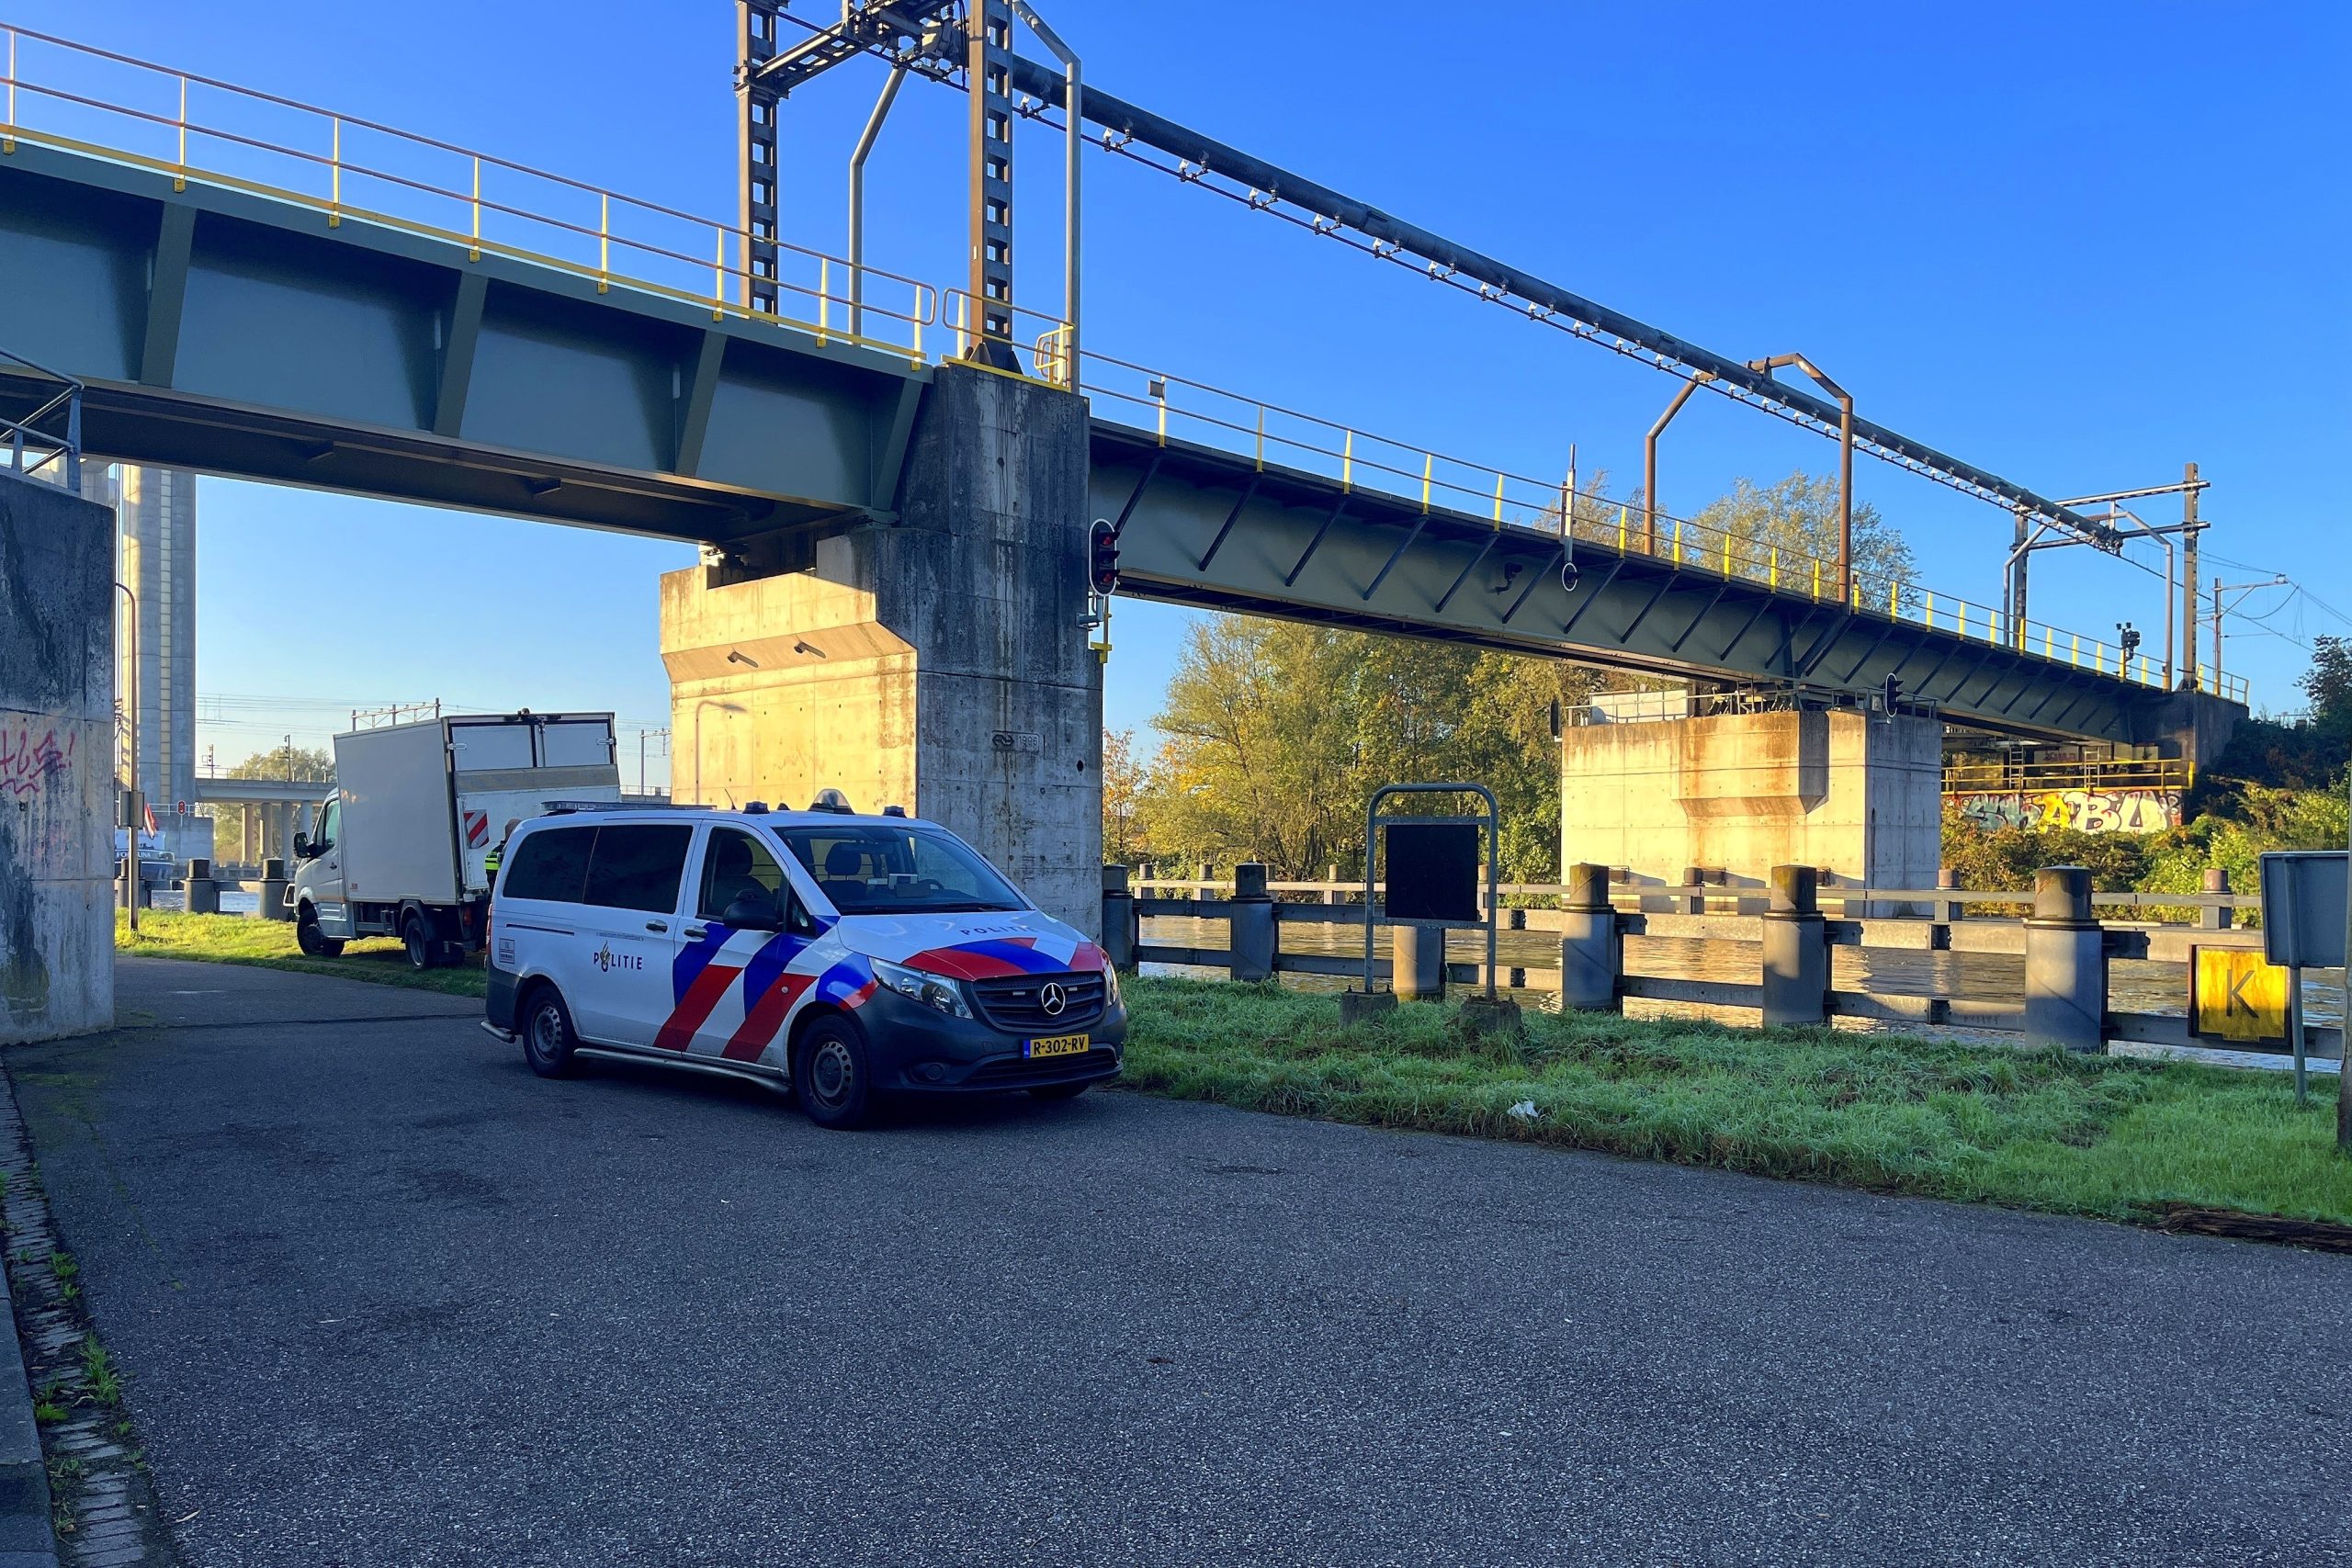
(830, 1075)
(547, 1039)
(313, 941)
(424, 949)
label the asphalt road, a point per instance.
(388, 1299)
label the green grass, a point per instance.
(2117, 1137)
(269, 944)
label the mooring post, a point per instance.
(273, 891)
(1948, 910)
(1796, 956)
(1694, 902)
(1417, 961)
(2066, 963)
(1119, 933)
(1250, 939)
(1591, 948)
(2215, 917)
(203, 892)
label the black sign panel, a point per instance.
(1433, 872)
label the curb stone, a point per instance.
(28, 1537)
(106, 1486)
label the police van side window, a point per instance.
(735, 863)
(549, 864)
(637, 866)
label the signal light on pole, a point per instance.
(1894, 692)
(1102, 557)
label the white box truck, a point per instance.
(403, 845)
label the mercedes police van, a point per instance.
(850, 957)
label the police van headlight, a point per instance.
(934, 991)
(1110, 985)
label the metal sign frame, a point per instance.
(1372, 853)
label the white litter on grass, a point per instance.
(1525, 1110)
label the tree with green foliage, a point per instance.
(1798, 516)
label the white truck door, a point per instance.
(629, 923)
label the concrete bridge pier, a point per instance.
(936, 662)
(1855, 794)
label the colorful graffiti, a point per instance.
(2084, 810)
(27, 766)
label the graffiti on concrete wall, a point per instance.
(2085, 810)
(33, 762)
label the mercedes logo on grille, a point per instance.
(1052, 997)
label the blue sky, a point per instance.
(2075, 244)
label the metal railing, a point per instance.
(1601, 956)
(32, 444)
(348, 169)
(1171, 405)
(2006, 775)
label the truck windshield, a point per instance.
(868, 869)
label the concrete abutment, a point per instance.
(1857, 794)
(936, 661)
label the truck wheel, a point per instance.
(313, 941)
(548, 1040)
(424, 947)
(830, 1074)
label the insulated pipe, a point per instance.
(1845, 462)
(1649, 459)
(1074, 112)
(1116, 115)
(857, 204)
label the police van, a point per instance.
(848, 957)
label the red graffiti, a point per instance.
(27, 765)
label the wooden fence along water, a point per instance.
(2068, 950)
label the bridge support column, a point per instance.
(1855, 794)
(936, 662)
(57, 786)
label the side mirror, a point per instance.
(301, 846)
(753, 910)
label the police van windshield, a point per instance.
(870, 869)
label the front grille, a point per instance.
(1026, 1069)
(1015, 1003)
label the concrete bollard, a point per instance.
(1417, 962)
(203, 892)
(1119, 934)
(1796, 959)
(1948, 910)
(1694, 902)
(2066, 963)
(1591, 948)
(273, 891)
(2213, 918)
(1249, 925)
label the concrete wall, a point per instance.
(935, 662)
(56, 763)
(1855, 794)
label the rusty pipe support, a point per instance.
(1845, 461)
(1649, 458)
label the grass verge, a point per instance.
(269, 944)
(2115, 1137)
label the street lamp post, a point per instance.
(1845, 462)
(130, 806)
